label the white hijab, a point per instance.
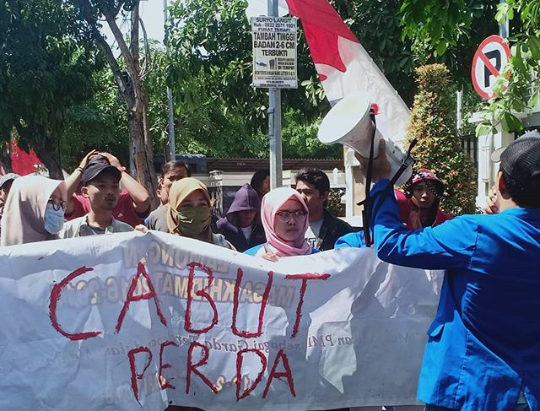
(24, 211)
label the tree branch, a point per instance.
(148, 57)
(134, 46)
(132, 64)
(123, 86)
(128, 57)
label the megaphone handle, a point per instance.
(381, 194)
(365, 213)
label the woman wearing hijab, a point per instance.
(189, 213)
(423, 194)
(284, 216)
(34, 210)
(418, 206)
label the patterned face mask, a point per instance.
(192, 221)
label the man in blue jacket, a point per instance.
(483, 350)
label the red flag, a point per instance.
(342, 64)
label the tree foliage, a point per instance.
(46, 68)
(218, 111)
(517, 89)
(439, 148)
(129, 75)
(443, 25)
(98, 123)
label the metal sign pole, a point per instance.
(172, 138)
(274, 123)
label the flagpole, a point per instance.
(274, 122)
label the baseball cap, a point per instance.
(8, 177)
(97, 165)
(521, 159)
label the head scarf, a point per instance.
(24, 211)
(180, 190)
(424, 174)
(271, 203)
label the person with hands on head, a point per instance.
(133, 204)
(482, 351)
(101, 187)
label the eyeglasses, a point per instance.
(57, 203)
(285, 216)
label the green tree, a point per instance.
(210, 74)
(45, 67)
(129, 74)
(441, 25)
(432, 123)
(100, 122)
(517, 88)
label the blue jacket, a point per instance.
(484, 344)
(351, 240)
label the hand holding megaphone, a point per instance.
(382, 169)
(349, 123)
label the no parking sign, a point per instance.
(489, 61)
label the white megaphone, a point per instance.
(349, 123)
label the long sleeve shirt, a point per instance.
(484, 344)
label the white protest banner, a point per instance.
(274, 52)
(138, 322)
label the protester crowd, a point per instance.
(482, 352)
(100, 197)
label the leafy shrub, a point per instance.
(439, 147)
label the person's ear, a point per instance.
(84, 191)
(324, 196)
(500, 183)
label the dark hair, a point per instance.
(524, 196)
(258, 178)
(167, 167)
(315, 177)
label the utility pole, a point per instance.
(274, 122)
(170, 109)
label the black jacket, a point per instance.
(332, 228)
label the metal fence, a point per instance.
(469, 143)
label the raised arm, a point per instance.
(72, 182)
(139, 195)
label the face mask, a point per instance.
(54, 219)
(192, 221)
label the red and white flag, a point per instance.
(343, 65)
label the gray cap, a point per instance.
(521, 159)
(496, 155)
(8, 177)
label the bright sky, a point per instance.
(152, 16)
